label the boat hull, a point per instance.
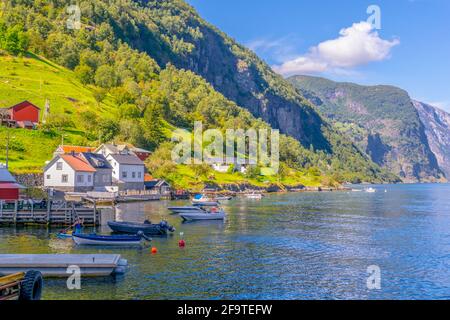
(191, 216)
(106, 241)
(135, 228)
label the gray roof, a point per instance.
(130, 159)
(96, 160)
(5, 176)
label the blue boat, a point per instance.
(109, 240)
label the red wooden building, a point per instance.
(24, 115)
(9, 189)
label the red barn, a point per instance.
(9, 189)
(25, 112)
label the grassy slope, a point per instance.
(36, 79)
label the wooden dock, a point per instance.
(57, 265)
(57, 214)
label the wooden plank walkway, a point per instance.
(59, 215)
(56, 265)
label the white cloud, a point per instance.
(278, 49)
(357, 45)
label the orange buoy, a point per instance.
(154, 250)
(181, 243)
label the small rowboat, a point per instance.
(147, 228)
(256, 196)
(100, 240)
(224, 198)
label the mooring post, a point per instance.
(49, 207)
(16, 208)
(95, 213)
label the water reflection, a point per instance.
(291, 246)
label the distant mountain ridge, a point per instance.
(381, 120)
(437, 129)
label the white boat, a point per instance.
(200, 198)
(191, 216)
(202, 213)
(370, 190)
(195, 208)
(256, 196)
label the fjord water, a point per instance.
(289, 246)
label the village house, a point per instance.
(128, 171)
(69, 172)
(9, 188)
(223, 166)
(103, 170)
(22, 115)
(160, 186)
(141, 153)
(107, 149)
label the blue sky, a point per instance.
(411, 50)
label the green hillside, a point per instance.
(120, 78)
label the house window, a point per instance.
(59, 166)
(124, 174)
(139, 174)
(89, 178)
(80, 178)
(64, 178)
(49, 177)
(133, 175)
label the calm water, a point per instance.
(292, 246)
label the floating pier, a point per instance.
(57, 214)
(57, 265)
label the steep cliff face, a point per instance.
(437, 129)
(381, 120)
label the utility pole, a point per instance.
(7, 148)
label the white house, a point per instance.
(127, 171)
(107, 148)
(69, 172)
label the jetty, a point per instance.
(61, 265)
(47, 213)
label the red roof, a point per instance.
(77, 163)
(10, 185)
(77, 149)
(148, 177)
(24, 104)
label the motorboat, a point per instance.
(109, 240)
(214, 213)
(147, 227)
(253, 195)
(195, 207)
(223, 198)
(370, 190)
(201, 198)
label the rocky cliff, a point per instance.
(437, 129)
(381, 120)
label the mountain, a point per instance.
(437, 129)
(160, 66)
(381, 120)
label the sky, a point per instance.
(405, 43)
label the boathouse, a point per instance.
(9, 188)
(23, 115)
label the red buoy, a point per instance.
(154, 250)
(181, 243)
